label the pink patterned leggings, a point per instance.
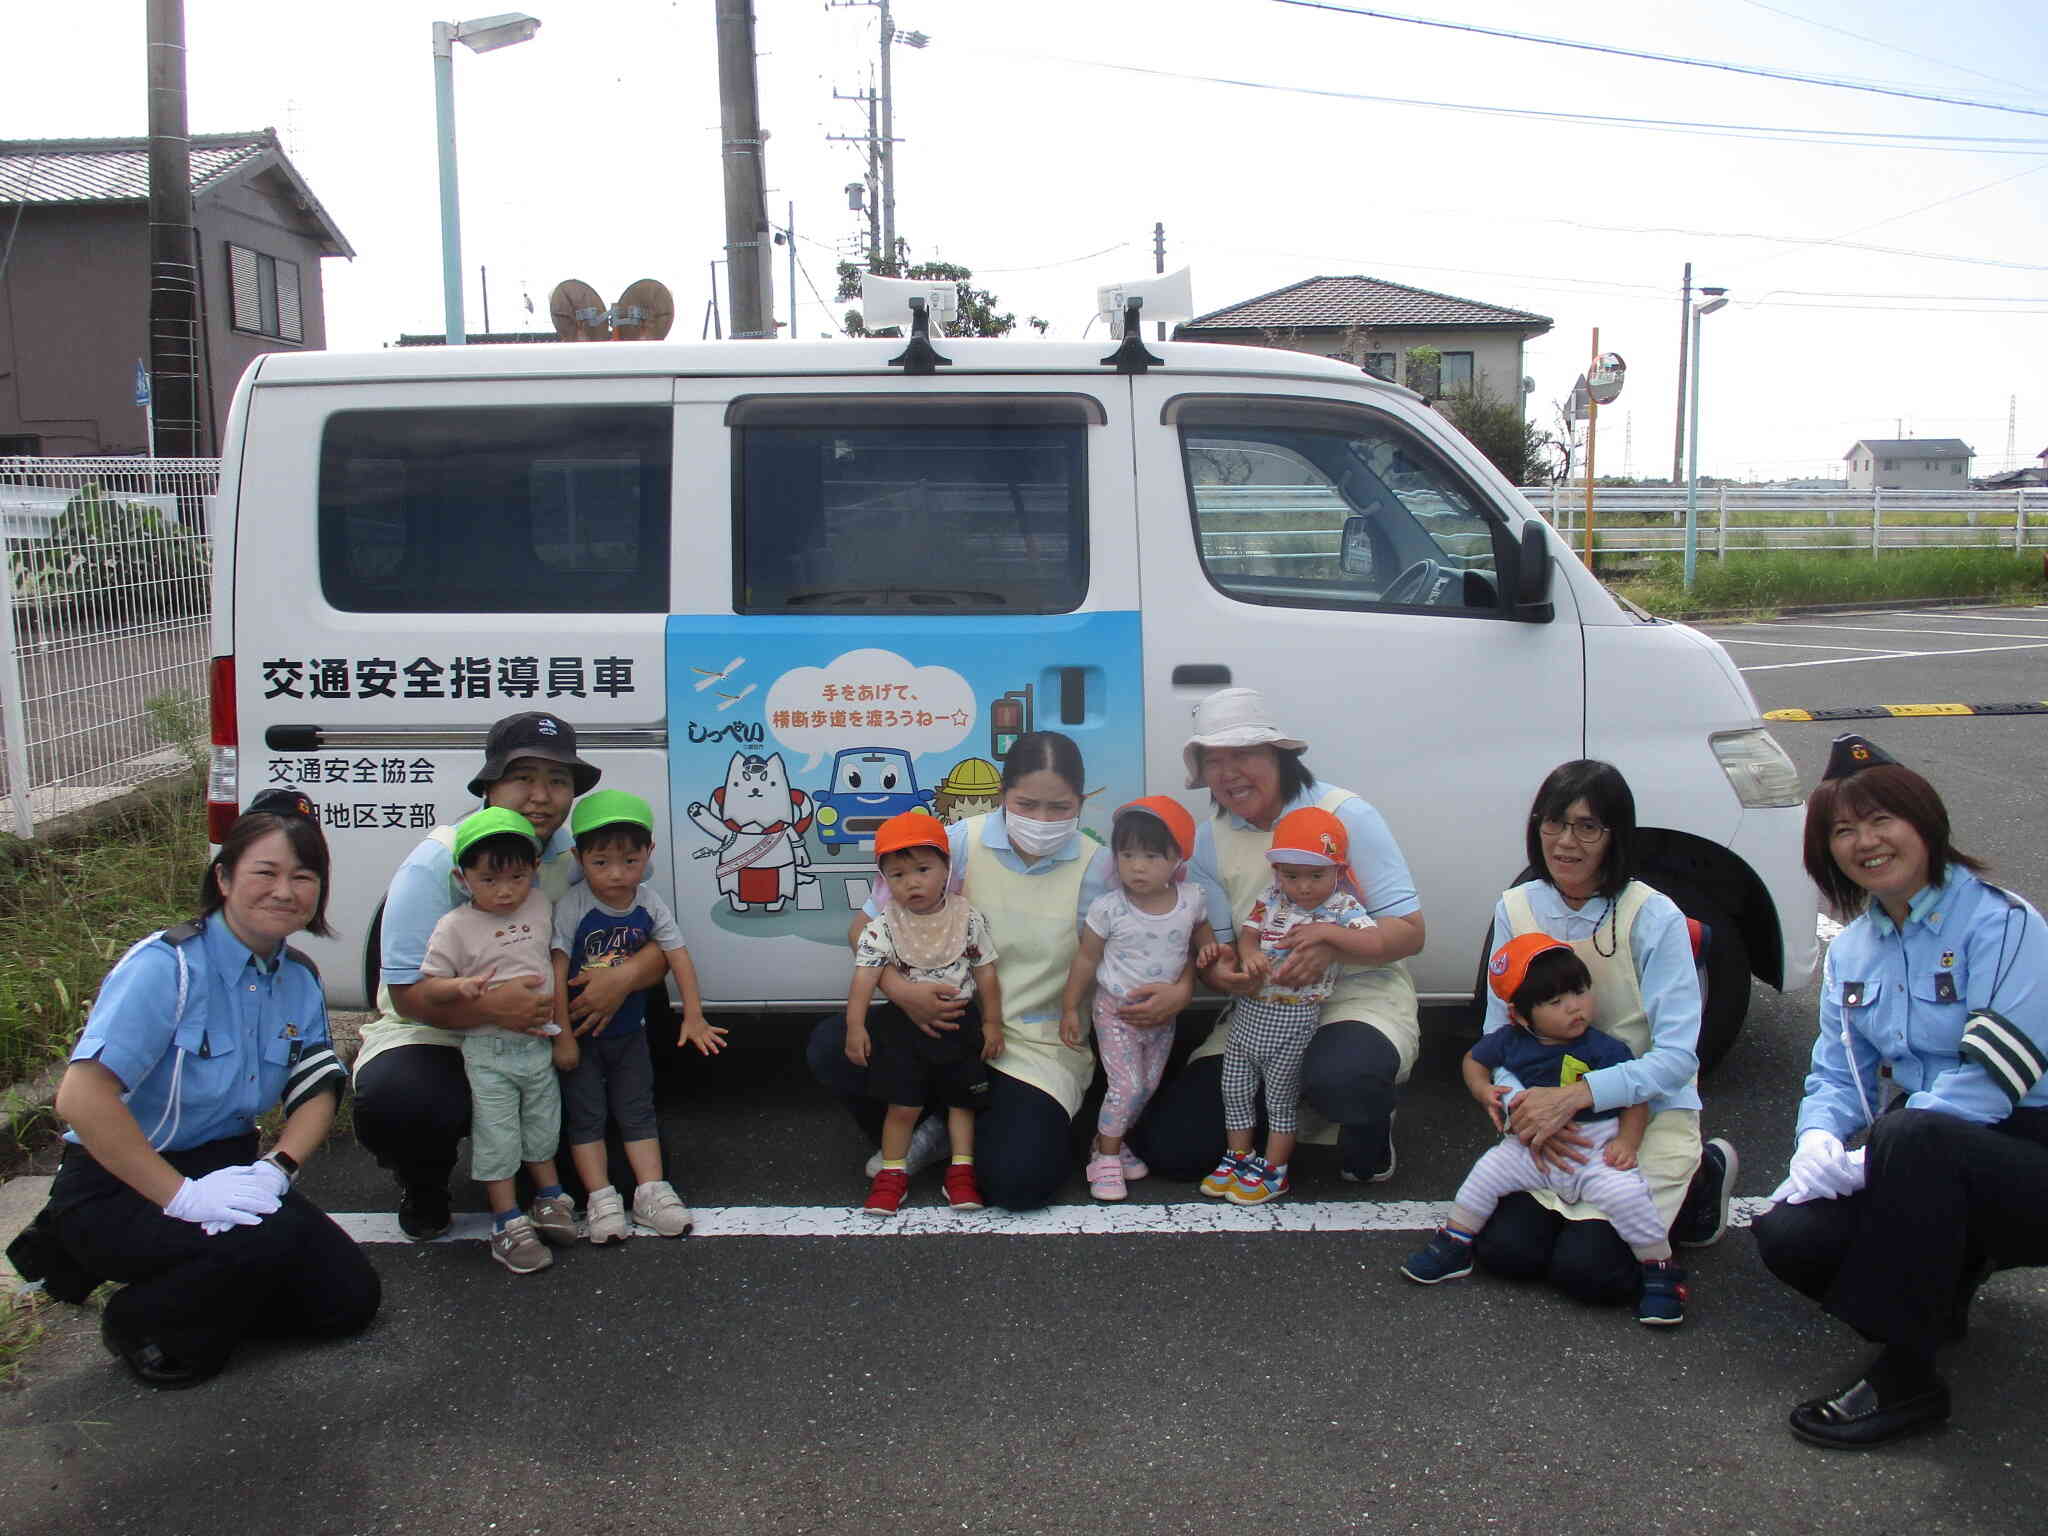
(1132, 1059)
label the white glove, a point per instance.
(1820, 1170)
(226, 1197)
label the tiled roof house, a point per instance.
(74, 299)
(1373, 323)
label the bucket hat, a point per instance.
(1233, 717)
(534, 733)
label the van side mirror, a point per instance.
(1354, 548)
(1531, 580)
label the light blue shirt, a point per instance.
(1100, 876)
(1375, 860)
(422, 892)
(1666, 1075)
(1904, 995)
(207, 1071)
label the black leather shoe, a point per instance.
(147, 1362)
(423, 1213)
(1853, 1419)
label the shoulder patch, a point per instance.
(185, 932)
(303, 958)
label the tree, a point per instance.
(1517, 448)
(977, 315)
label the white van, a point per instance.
(808, 562)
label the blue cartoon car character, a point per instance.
(869, 785)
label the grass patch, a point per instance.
(1785, 580)
(69, 910)
(21, 1325)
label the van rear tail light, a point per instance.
(223, 777)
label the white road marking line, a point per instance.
(1184, 1219)
(1794, 645)
(1831, 661)
(1893, 629)
(1973, 650)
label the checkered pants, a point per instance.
(1266, 1044)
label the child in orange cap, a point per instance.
(1142, 934)
(1313, 896)
(930, 933)
(1550, 1043)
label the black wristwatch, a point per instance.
(285, 1163)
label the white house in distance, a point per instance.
(1371, 323)
(1909, 464)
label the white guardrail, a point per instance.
(1742, 519)
(104, 612)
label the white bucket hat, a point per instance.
(1233, 717)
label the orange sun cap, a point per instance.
(912, 829)
(1310, 835)
(1178, 822)
(1509, 967)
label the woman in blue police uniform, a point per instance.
(1940, 986)
(196, 1032)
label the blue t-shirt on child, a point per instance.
(1539, 1064)
(593, 935)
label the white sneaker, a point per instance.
(605, 1213)
(929, 1143)
(657, 1207)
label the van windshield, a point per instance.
(898, 515)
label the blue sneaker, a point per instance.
(1257, 1181)
(1662, 1303)
(1442, 1258)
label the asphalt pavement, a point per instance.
(1027, 1376)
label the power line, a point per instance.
(1762, 70)
(1762, 133)
(1925, 58)
(1046, 266)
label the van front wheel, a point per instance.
(1723, 969)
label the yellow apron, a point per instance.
(1032, 918)
(391, 1028)
(1671, 1146)
(1380, 995)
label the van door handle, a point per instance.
(1201, 673)
(1073, 697)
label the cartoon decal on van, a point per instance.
(760, 824)
(849, 721)
(869, 785)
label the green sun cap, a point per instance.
(492, 821)
(607, 807)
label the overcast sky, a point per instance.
(1874, 289)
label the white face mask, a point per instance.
(1038, 838)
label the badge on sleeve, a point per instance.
(1852, 994)
(1944, 986)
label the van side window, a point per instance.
(562, 509)
(1305, 505)
(902, 505)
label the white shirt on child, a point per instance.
(1140, 949)
(469, 941)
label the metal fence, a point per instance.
(1636, 520)
(104, 608)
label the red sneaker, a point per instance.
(886, 1193)
(962, 1193)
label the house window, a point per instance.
(1890, 465)
(1380, 365)
(1956, 467)
(263, 294)
(1457, 373)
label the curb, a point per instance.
(1896, 605)
(1901, 712)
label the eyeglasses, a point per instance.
(1584, 830)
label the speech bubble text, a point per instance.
(868, 698)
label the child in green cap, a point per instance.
(499, 934)
(603, 922)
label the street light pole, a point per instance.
(479, 36)
(1716, 297)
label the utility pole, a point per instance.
(747, 251)
(1159, 262)
(173, 272)
(871, 207)
(789, 228)
(888, 145)
(881, 140)
(1684, 334)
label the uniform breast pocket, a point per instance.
(1939, 1012)
(281, 1047)
(195, 1039)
